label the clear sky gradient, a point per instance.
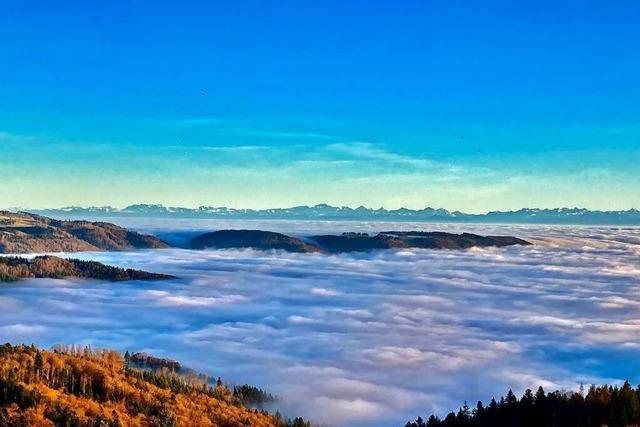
(463, 105)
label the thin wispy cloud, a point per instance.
(292, 135)
(370, 151)
(229, 126)
(236, 148)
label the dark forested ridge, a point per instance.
(252, 396)
(609, 406)
(146, 361)
(29, 233)
(349, 242)
(79, 387)
(16, 268)
(355, 242)
(256, 239)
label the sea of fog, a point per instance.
(364, 338)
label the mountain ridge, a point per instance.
(324, 211)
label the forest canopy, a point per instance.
(79, 387)
(52, 267)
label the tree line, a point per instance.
(611, 406)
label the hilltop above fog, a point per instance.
(349, 242)
(28, 233)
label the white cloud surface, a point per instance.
(372, 338)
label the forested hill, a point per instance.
(52, 267)
(79, 387)
(609, 406)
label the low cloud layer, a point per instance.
(373, 338)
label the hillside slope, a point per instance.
(29, 233)
(84, 388)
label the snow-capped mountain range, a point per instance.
(328, 212)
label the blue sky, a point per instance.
(471, 105)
